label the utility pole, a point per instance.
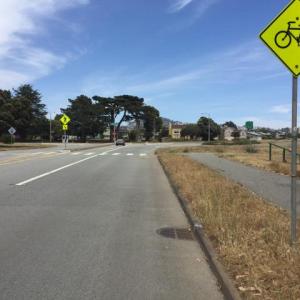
(209, 129)
(114, 126)
(50, 129)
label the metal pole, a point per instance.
(294, 163)
(209, 129)
(65, 133)
(50, 133)
(114, 128)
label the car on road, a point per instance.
(120, 142)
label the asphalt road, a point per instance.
(83, 225)
(273, 187)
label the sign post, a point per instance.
(294, 162)
(11, 131)
(65, 120)
(282, 36)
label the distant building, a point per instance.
(243, 133)
(255, 136)
(175, 131)
(228, 133)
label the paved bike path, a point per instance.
(271, 186)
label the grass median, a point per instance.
(251, 237)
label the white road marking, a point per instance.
(129, 154)
(48, 153)
(115, 154)
(75, 153)
(37, 153)
(88, 154)
(59, 169)
(102, 154)
(143, 154)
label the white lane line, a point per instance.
(48, 153)
(104, 153)
(88, 154)
(129, 154)
(59, 169)
(115, 154)
(76, 153)
(143, 154)
(37, 153)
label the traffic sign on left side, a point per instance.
(12, 131)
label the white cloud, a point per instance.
(178, 5)
(20, 21)
(281, 109)
(247, 62)
(244, 63)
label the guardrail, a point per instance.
(284, 151)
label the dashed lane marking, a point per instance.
(59, 169)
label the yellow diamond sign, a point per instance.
(65, 119)
(65, 127)
(282, 36)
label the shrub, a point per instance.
(6, 139)
(251, 149)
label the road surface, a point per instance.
(83, 225)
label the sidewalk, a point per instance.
(271, 186)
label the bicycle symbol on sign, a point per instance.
(283, 38)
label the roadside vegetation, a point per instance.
(251, 236)
(252, 154)
(23, 146)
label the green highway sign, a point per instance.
(249, 125)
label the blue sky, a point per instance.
(185, 57)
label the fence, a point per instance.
(285, 153)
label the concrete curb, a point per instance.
(226, 285)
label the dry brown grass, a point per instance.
(250, 235)
(259, 158)
(23, 146)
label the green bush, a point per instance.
(6, 139)
(251, 149)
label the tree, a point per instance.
(6, 116)
(230, 124)
(87, 117)
(123, 108)
(191, 130)
(204, 125)
(152, 122)
(23, 109)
